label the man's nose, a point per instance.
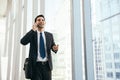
(41, 22)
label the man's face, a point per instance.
(40, 22)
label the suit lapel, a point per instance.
(36, 40)
(46, 36)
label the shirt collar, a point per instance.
(40, 32)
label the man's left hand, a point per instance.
(55, 47)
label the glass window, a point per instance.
(108, 56)
(105, 16)
(58, 22)
(109, 74)
(114, 6)
(117, 75)
(117, 65)
(116, 55)
(108, 65)
(57, 14)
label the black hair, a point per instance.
(39, 16)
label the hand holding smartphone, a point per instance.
(35, 26)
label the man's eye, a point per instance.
(40, 20)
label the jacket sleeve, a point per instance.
(26, 39)
(53, 43)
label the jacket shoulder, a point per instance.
(48, 33)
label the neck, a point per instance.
(40, 29)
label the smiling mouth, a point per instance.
(40, 26)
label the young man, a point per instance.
(41, 44)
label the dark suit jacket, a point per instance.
(31, 37)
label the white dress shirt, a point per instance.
(39, 58)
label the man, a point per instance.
(41, 44)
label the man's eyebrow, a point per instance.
(40, 19)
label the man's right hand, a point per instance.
(34, 27)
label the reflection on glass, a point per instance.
(106, 35)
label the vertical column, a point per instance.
(89, 65)
(42, 7)
(6, 33)
(35, 9)
(23, 47)
(10, 45)
(6, 37)
(16, 47)
(77, 59)
(7, 48)
(0, 67)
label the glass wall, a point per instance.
(106, 38)
(58, 22)
(19, 21)
(105, 19)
